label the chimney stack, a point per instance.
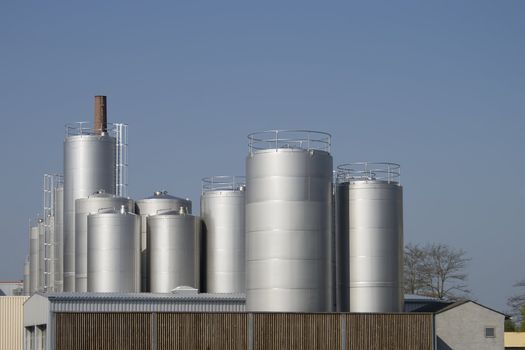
(101, 118)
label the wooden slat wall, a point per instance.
(202, 331)
(103, 331)
(272, 331)
(389, 331)
(296, 331)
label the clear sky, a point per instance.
(438, 87)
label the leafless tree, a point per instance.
(436, 270)
(413, 269)
(517, 305)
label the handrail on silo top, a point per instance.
(223, 183)
(382, 171)
(289, 139)
(87, 128)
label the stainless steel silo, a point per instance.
(113, 252)
(34, 259)
(160, 201)
(89, 165)
(27, 273)
(58, 229)
(223, 217)
(83, 207)
(288, 222)
(371, 216)
(173, 250)
(41, 254)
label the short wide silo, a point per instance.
(223, 214)
(83, 207)
(41, 254)
(174, 239)
(288, 222)
(89, 165)
(113, 251)
(161, 201)
(371, 221)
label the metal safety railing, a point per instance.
(223, 183)
(289, 139)
(121, 159)
(382, 171)
(50, 183)
(87, 128)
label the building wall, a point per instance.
(515, 340)
(103, 331)
(276, 331)
(463, 327)
(11, 322)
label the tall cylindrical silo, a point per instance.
(288, 222)
(89, 165)
(113, 252)
(83, 207)
(160, 201)
(372, 218)
(58, 229)
(173, 250)
(27, 273)
(223, 216)
(41, 254)
(34, 259)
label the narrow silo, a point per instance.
(89, 165)
(288, 222)
(27, 273)
(58, 229)
(34, 260)
(223, 217)
(83, 207)
(41, 254)
(161, 201)
(371, 216)
(113, 251)
(173, 250)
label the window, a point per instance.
(489, 332)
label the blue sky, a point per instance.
(438, 87)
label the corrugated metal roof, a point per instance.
(421, 297)
(147, 296)
(145, 302)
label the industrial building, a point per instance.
(294, 254)
(190, 320)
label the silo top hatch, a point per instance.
(289, 140)
(369, 172)
(164, 195)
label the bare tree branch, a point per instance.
(436, 270)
